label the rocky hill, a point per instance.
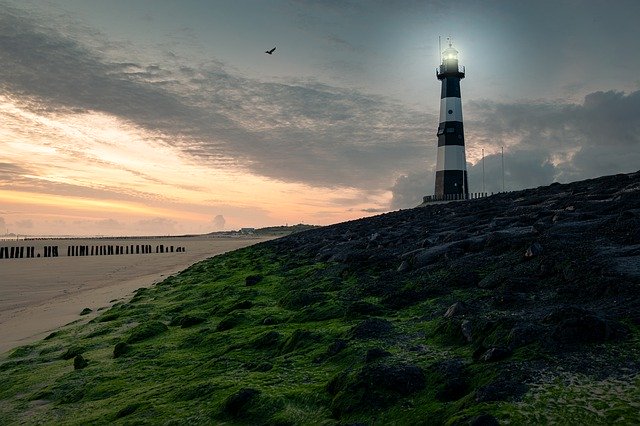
(520, 308)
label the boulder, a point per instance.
(456, 310)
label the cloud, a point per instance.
(598, 137)
(157, 226)
(306, 131)
(293, 132)
(25, 224)
(218, 222)
(408, 190)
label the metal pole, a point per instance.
(482, 170)
(502, 168)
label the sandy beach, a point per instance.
(39, 295)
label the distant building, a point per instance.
(247, 231)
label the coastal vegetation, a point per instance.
(520, 308)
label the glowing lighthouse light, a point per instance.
(451, 165)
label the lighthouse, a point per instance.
(451, 165)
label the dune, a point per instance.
(39, 295)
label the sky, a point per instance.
(166, 117)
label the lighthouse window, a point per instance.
(450, 111)
(450, 130)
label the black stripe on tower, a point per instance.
(451, 133)
(450, 182)
(450, 88)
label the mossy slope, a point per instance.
(328, 327)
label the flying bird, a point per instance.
(270, 52)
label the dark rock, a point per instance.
(191, 320)
(245, 304)
(120, 349)
(495, 279)
(466, 328)
(79, 362)
(129, 409)
(375, 354)
(495, 354)
(534, 250)
(252, 280)
(72, 352)
(86, 311)
(269, 321)
(375, 386)
(267, 340)
(430, 255)
(371, 328)
(484, 420)
(523, 335)
(457, 309)
(576, 325)
(336, 347)
(227, 323)
(238, 402)
(404, 266)
(451, 379)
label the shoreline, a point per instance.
(41, 295)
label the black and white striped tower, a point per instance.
(451, 166)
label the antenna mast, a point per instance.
(440, 48)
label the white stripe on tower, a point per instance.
(450, 104)
(451, 165)
(451, 157)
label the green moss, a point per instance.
(146, 331)
(290, 338)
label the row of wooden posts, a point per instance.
(86, 250)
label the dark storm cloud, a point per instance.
(600, 136)
(545, 142)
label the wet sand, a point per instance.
(40, 295)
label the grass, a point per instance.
(204, 347)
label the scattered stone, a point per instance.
(79, 362)
(191, 320)
(72, 352)
(375, 354)
(495, 354)
(252, 280)
(467, 330)
(245, 304)
(374, 386)
(457, 309)
(237, 402)
(534, 250)
(120, 349)
(404, 266)
(336, 347)
(451, 379)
